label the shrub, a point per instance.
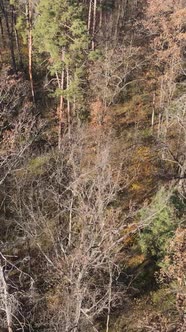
(160, 224)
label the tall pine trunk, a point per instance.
(94, 24)
(29, 15)
(89, 15)
(68, 102)
(61, 103)
(2, 34)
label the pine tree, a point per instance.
(60, 34)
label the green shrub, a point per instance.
(160, 224)
(163, 299)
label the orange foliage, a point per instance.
(165, 25)
(99, 115)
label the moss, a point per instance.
(163, 300)
(36, 165)
(136, 260)
(136, 186)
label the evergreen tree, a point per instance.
(60, 34)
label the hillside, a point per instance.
(92, 166)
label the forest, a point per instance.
(92, 165)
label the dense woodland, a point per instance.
(92, 165)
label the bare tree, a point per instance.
(80, 237)
(114, 72)
(10, 293)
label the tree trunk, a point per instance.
(101, 14)
(2, 34)
(94, 24)
(61, 104)
(68, 103)
(6, 300)
(29, 9)
(110, 298)
(89, 15)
